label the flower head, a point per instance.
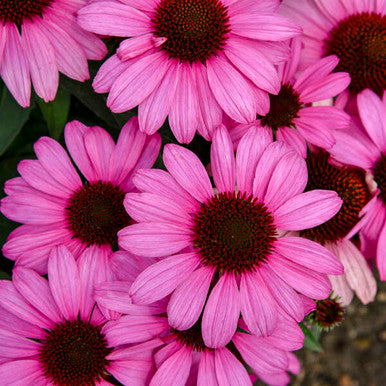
(190, 60)
(57, 333)
(354, 31)
(228, 244)
(57, 207)
(39, 39)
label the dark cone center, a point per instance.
(360, 43)
(380, 177)
(195, 29)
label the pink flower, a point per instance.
(350, 184)
(181, 357)
(363, 144)
(291, 116)
(353, 30)
(229, 240)
(190, 60)
(39, 38)
(57, 208)
(52, 332)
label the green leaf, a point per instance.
(56, 112)
(310, 341)
(95, 102)
(12, 119)
(5, 276)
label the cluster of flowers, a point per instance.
(194, 274)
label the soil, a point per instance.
(354, 352)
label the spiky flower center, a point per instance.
(284, 107)
(233, 232)
(328, 313)
(95, 213)
(74, 353)
(192, 337)
(351, 187)
(195, 29)
(380, 177)
(15, 11)
(360, 43)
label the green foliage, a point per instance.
(311, 338)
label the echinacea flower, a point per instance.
(190, 60)
(227, 244)
(350, 184)
(57, 207)
(39, 39)
(181, 357)
(52, 332)
(363, 144)
(291, 115)
(350, 29)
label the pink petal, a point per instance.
(188, 299)
(127, 151)
(310, 283)
(137, 82)
(154, 109)
(188, 171)
(113, 18)
(342, 289)
(264, 26)
(258, 307)
(99, 146)
(314, 131)
(55, 160)
(137, 45)
(175, 370)
(357, 272)
(31, 209)
(232, 91)
(244, 57)
(373, 115)
(131, 372)
(14, 68)
(211, 113)
(64, 282)
(165, 185)
(289, 178)
(329, 87)
(74, 133)
(166, 352)
(286, 297)
(184, 108)
(147, 207)
(221, 313)
(331, 116)
(267, 163)
(42, 62)
(14, 346)
(207, 370)
(130, 329)
(161, 278)
(12, 301)
(248, 154)
(37, 292)
(261, 356)
(293, 139)
(70, 56)
(229, 370)
(223, 160)
(35, 175)
(108, 73)
(309, 254)
(154, 239)
(307, 210)
(145, 5)
(23, 372)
